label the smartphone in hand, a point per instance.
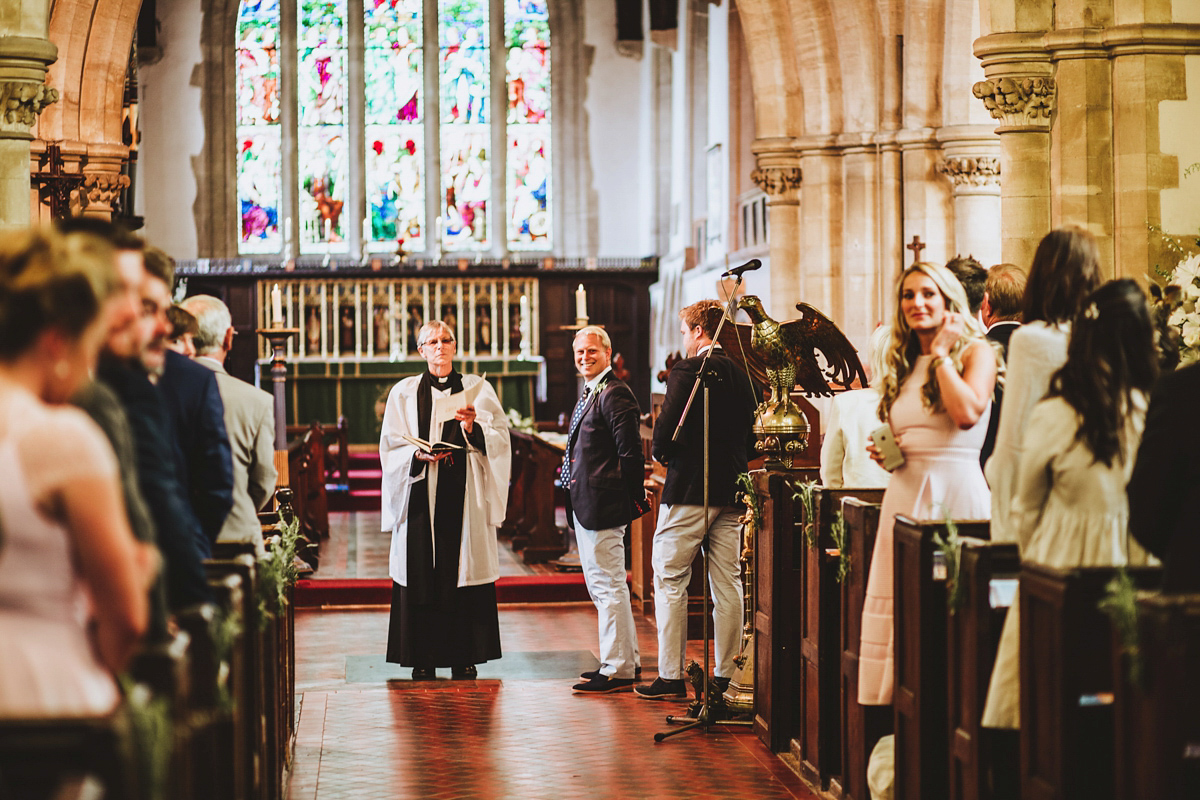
(885, 442)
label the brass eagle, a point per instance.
(784, 354)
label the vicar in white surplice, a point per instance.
(443, 509)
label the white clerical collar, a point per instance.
(594, 382)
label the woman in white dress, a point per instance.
(852, 416)
(1070, 506)
(73, 579)
(1065, 269)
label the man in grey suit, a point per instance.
(249, 419)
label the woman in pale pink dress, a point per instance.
(937, 397)
(73, 580)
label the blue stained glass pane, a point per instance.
(259, 155)
(395, 187)
(464, 61)
(323, 179)
(321, 24)
(466, 187)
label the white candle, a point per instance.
(276, 307)
(580, 302)
(437, 230)
(328, 229)
(287, 230)
(524, 324)
(366, 236)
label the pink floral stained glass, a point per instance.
(528, 165)
(465, 92)
(259, 160)
(322, 139)
(395, 152)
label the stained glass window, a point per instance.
(259, 157)
(385, 163)
(527, 37)
(395, 152)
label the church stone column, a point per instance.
(971, 163)
(23, 95)
(102, 179)
(778, 174)
(1020, 94)
(821, 220)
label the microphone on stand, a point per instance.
(749, 266)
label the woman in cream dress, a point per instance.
(1070, 507)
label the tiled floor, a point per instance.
(519, 736)
(356, 548)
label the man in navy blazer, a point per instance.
(603, 474)
(681, 524)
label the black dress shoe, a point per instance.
(603, 684)
(467, 673)
(662, 689)
(424, 674)
(595, 673)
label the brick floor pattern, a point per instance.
(504, 739)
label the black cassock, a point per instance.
(435, 622)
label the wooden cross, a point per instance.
(916, 246)
(54, 184)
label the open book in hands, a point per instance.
(433, 448)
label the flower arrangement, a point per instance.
(1186, 317)
(803, 492)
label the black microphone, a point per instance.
(749, 266)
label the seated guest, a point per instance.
(67, 545)
(442, 510)
(935, 396)
(1165, 477)
(1000, 310)
(1070, 507)
(852, 417)
(249, 420)
(201, 443)
(182, 338)
(1066, 269)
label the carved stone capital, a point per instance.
(776, 180)
(102, 189)
(971, 171)
(20, 104)
(1017, 101)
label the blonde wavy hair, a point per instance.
(904, 348)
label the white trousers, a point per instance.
(602, 555)
(676, 542)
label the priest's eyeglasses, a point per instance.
(445, 341)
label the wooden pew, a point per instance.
(306, 478)
(1158, 720)
(778, 600)
(39, 756)
(860, 727)
(336, 438)
(815, 744)
(536, 532)
(641, 548)
(972, 636)
(919, 698)
(1067, 681)
(165, 668)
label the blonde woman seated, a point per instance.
(73, 580)
(852, 416)
(937, 396)
(1070, 506)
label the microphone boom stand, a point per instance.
(703, 717)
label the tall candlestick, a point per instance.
(276, 308)
(580, 303)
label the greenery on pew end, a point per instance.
(147, 737)
(277, 569)
(750, 499)
(1120, 604)
(951, 547)
(803, 492)
(518, 423)
(225, 628)
(837, 532)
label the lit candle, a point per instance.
(276, 307)
(580, 302)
